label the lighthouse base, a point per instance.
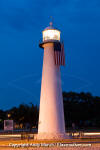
(50, 136)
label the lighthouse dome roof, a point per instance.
(50, 27)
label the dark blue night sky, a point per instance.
(21, 23)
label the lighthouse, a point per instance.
(51, 123)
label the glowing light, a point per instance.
(85, 134)
(51, 34)
(93, 133)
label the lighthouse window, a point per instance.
(51, 34)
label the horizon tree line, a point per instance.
(82, 109)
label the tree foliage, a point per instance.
(25, 115)
(83, 109)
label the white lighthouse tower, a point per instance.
(51, 115)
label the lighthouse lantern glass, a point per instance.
(51, 35)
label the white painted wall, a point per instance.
(51, 115)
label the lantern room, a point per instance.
(51, 34)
